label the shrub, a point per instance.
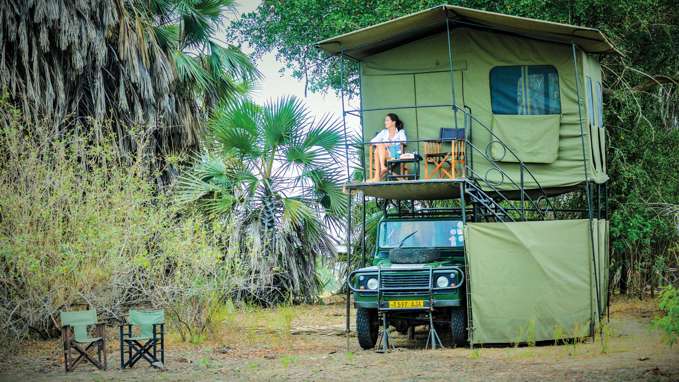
(82, 225)
(668, 302)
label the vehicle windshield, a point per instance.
(421, 234)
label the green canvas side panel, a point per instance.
(389, 91)
(528, 279)
(591, 76)
(593, 265)
(429, 54)
(485, 50)
(533, 138)
(603, 262)
(600, 131)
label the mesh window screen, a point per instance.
(590, 102)
(525, 90)
(600, 104)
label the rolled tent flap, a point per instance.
(533, 138)
(530, 281)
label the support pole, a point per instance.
(363, 258)
(587, 188)
(452, 70)
(348, 228)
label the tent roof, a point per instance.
(368, 41)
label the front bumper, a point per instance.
(414, 283)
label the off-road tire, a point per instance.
(458, 326)
(413, 255)
(367, 327)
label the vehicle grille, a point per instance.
(405, 280)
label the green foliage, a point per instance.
(668, 302)
(269, 172)
(160, 64)
(81, 226)
(640, 97)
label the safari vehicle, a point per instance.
(418, 271)
(503, 115)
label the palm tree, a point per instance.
(153, 66)
(273, 172)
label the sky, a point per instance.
(274, 84)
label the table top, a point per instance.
(416, 158)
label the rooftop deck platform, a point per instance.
(430, 189)
(439, 189)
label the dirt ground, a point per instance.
(307, 343)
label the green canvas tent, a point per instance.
(406, 66)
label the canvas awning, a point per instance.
(368, 41)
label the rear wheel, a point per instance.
(458, 326)
(367, 327)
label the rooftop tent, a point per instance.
(513, 78)
(368, 41)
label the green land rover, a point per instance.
(416, 278)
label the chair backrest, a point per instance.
(146, 319)
(448, 134)
(79, 320)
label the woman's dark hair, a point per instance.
(399, 123)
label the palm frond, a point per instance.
(233, 61)
(281, 119)
(189, 70)
(236, 128)
(167, 36)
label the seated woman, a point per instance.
(387, 142)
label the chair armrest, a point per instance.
(122, 327)
(162, 328)
(99, 328)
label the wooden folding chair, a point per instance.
(148, 344)
(445, 161)
(75, 335)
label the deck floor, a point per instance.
(432, 189)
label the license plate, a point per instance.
(406, 304)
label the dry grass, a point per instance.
(307, 343)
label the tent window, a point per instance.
(600, 104)
(525, 90)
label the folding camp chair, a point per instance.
(75, 335)
(149, 342)
(445, 162)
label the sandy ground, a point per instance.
(307, 343)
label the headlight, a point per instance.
(442, 282)
(372, 284)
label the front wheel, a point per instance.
(367, 327)
(458, 326)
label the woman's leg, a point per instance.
(376, 163)
(383, 155)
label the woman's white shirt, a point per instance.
(383, 136)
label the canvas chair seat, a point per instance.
(74, 332)
(138, 338)
(87, 340)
